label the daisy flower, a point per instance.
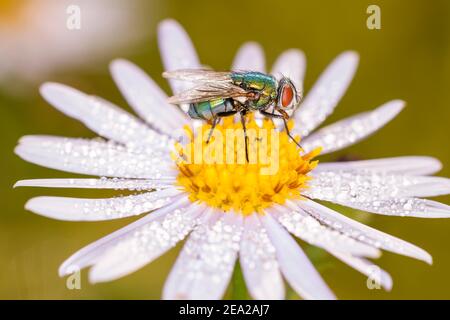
(228, 212)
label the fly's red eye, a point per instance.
(286, 96)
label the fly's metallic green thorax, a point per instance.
(262, 84)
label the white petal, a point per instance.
(103, 183)
(144, 245)
(426, 187)
(146, 97)
(258, 262)
(404, 207)
(354, 186)
(412, 165)
(96, 157)
(294, 264)
(101, 116)
(78, 209)
(305, 227)
(205, 265)
(250, 57)
(362, 232)
(346, 132)
(177, 51)
(325, 94)
(292, 64)
(375, 274)
(92, 252)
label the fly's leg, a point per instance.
(226, 113)
(272, 117)
(217, 119)
(245, 133)
(270, 114)
(289, 133)
(283, 115)
(214, 123)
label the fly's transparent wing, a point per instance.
(208, 91)
(198, 75)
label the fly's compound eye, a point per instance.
(287, 94)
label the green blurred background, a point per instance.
(409, 58)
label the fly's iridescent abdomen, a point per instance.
(263, 84)
(208, 110)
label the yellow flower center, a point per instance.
(216, 172)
